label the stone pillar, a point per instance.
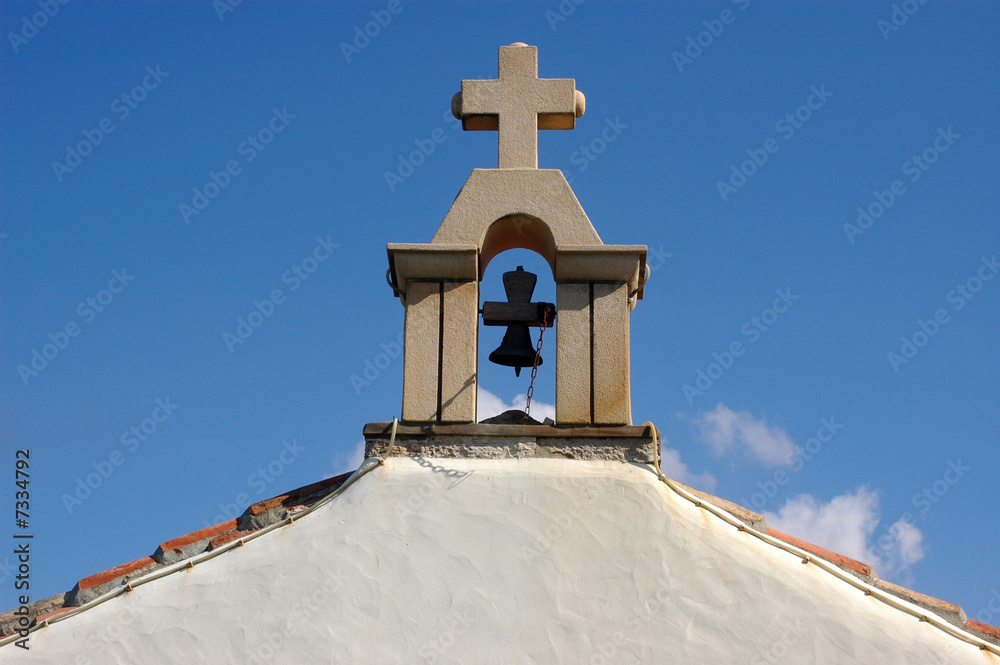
(592, 358)
(441, 296)
(422, 343)
(460, 349)
(573, 353)
(609, 340)
(593, 285)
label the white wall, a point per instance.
(515, 561)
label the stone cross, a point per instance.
(517, 105)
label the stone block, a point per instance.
(459, 348)
(612, 401)
(423, 261)
(492, 194)
(420, 358)
(607, 263)
(573, 354)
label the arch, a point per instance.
(521, 199)
(517, 231)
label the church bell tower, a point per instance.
(517, 205)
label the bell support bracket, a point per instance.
(531, 313)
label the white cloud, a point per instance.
(349, 461)
(489, 405)
(846, 525)
(673, 468)
(906, 546)
(727, 431)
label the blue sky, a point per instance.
(166, 167)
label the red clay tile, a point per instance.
(56, 612)
(201, 534)
(839, 559)
(228, 537)
(936, 604)
(296, 495)
(117, 571)
(992, 631)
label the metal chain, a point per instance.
(534, 367)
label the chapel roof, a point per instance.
(282, 510)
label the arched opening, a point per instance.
(499, 388)
(517, 231)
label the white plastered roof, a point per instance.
(500, 561)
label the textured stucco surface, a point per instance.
(499, 561)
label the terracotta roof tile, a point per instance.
(227, 537)
(56, 612)
(201, 534)
(116, 572)
(984, 628)
(839, 559)
(950, 611)
(298, 494)
(748, 517)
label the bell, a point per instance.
(516, 349)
